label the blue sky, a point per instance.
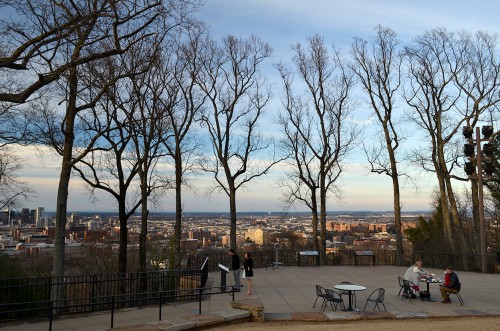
(282, 23)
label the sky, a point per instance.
(282, 23)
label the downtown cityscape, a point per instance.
(32, 231)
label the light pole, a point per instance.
(483, 156)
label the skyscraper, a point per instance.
(39, 217)
(25, 216)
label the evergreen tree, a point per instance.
(428, 234)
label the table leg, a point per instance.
(350, 308)
(429, 298)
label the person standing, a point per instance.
(451, 285)
(248, 266)
(235, 265)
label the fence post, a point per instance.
(50, 315)
(199, 301)
(161, 299)
(112, 310)
(94, 292)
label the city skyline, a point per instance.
(282, 23)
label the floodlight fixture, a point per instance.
(488, 149)
(488, 167)
(487, 131)
(469, 168)
(467, 132)
(468, 150)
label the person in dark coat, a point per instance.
(235, 266)
(451, 285)
(248, 266)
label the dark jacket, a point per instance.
(235, 261)
(453, 282)
(248, 265)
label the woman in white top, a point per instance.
(415, 273)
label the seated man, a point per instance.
(451, 285)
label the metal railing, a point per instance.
(31, 297)
(290, 257)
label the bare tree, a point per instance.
(378, 68)
(128, 124)
(434, 59)
(34, 40)
(12, 189)
(181, 101)
(479, 81)
(146, 125)
(315, 124)
(53, 40)
(236, 98)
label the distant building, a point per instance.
(201, 235)
(340, 226)
(259, 236)
(39, 238)
(33, 216)
(74, 220)
(377, 227)
(40, 219)
(225, 241)
(4, 216)
(93, 225)
(25, 216)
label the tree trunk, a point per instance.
(322, 219)
(314, 211)
(144, 230)
(232, 208)
(457, 224)
(122, 254)
(178, 210)
(475, 216)
(448, 233)
(397, 208)
(63, 188)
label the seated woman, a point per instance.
(414, 274)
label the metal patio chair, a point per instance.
(334, 298)
(320, 293)
(377, 297)
(457, 293)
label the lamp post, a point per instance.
(470, 167)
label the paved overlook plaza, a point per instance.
(288, 294)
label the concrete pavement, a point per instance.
(288, 294)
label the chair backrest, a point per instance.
(332, 294)
(401, 281)
(381, 294)
(320, 290)
(407, 283)
(459, 287)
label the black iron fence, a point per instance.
(463, 262)
(290, 257)
(31, 297)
